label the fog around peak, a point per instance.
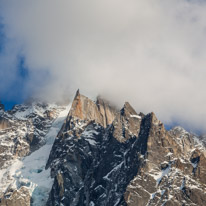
(150, 53)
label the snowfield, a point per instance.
(30, 170)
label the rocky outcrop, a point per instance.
(85, 109)
(184, 138)
(82, 168)
(168, 161)
(105, 157)
(19, 197)
(200, 168)
(107, 111)
(126, 124)
(4, 123)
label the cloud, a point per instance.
(151, 53)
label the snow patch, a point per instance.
(106, 177)
(136, 116)
(88, 135)
(159, 175)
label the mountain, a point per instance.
(26, 137)
(93, 154)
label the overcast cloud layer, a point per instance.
(151, 53)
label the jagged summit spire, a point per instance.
(86, 109)
(128, 109)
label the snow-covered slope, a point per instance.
(27, 170)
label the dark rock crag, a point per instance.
(106, 157)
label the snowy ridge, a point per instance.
(39, 120)
(31, 170)
(27, 127)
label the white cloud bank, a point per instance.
(151, 53)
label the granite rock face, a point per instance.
(106, 157)
(85, 109)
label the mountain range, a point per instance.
(90, 153)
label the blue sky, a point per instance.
(4, 95)
(13, 93)
(16, 87)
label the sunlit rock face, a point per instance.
(4, 123)
(85, 109)
(19, 197)
(107, 157)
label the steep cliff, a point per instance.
(107, 157)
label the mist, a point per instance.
(151, 53)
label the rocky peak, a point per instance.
(184, 139)
(155, 143)
(84, 111)
(84, 108)
(123, 158)
(126, 124)
(127, 110)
